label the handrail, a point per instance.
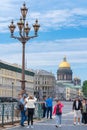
(9, 113)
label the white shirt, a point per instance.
(77, 104)
(30, 103)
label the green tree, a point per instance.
(84, 88)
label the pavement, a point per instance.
(49, 124)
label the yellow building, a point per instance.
(10, 79)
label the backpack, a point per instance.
(21, 106)
(58, 110)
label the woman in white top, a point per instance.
(30, 103)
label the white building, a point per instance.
(44, 84)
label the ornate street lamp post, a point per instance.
(23, 38)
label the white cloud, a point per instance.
(43, 57)
(49, 19)
(58, 45)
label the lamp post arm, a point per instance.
(15, 37)
(21, 35)
(21, 39)
(33, 36)
(30, 37)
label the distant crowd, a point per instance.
(26, 106)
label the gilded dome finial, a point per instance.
(64, 63)
(64, 59)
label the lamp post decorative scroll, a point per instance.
(23, 37)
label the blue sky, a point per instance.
(63, 32)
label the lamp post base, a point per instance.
(22, 92)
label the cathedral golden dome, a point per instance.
(64, 64)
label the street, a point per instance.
(49, 124)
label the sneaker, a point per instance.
(32, 126)
(74, 123)
(28, 126)
(59, 125)
(78, 123)
(22, 125)
(56, 126)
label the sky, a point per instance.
(63, 32)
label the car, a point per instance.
(8, 99)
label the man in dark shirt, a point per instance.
(77, 105)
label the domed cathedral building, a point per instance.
(67, 88)
(64, 73)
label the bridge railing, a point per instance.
(10, 114)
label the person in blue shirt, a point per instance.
(49, 104)
(23, 110)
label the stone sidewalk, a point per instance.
(50, 125)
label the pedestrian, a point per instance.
(49, 104)
(57, 111)
(84, 111)
(77, 105)
(44, 107)
(23, 110)
(17, 108)
(30, 104)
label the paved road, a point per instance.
(49, 124)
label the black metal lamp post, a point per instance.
(23, 38)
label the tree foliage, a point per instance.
(84, 88)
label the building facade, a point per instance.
(44, 84)
(67, 91)
(10, 79)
